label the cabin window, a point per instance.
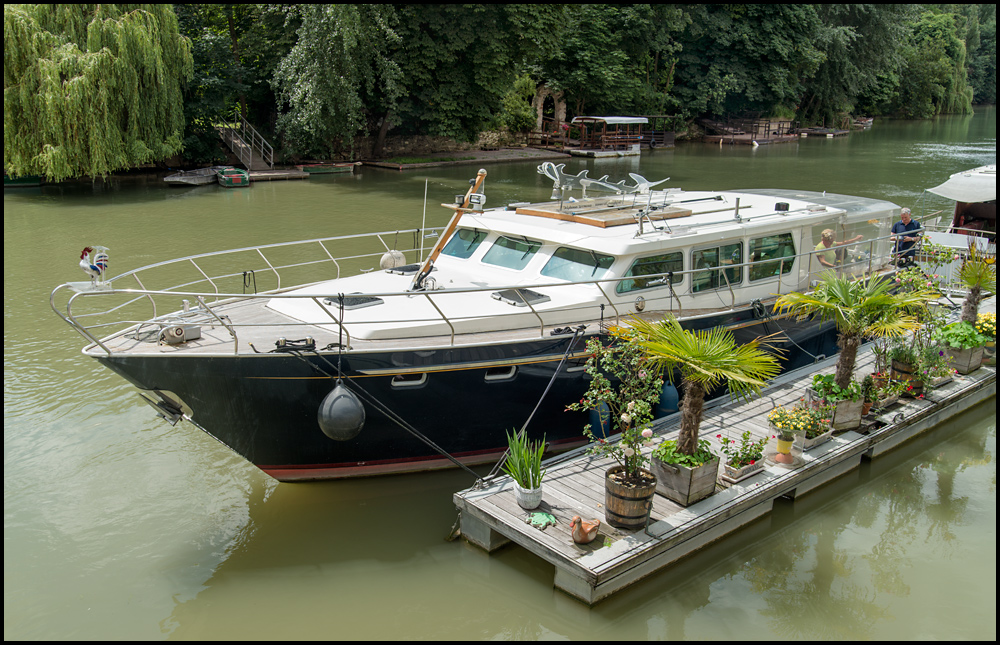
(511, 252)
(720, 256)
(654, 266)
(464, 243)
(576, 264)
(766, 254)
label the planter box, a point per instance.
(734, 475)
(887, 401)
(938, 381)
(815, 441)
(846, 414)
(685, 485)
(965, 360)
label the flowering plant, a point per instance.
(789, 421)
(623, 389)
(932, 362)
(986, 324)
(913, 279)
(747, 452)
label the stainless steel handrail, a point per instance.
(608, 297)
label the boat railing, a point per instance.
(787, 274)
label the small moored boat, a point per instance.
(327, 168)
(230, 177)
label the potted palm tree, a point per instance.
(861, 308)
(524, 465)
(705, 360)
(979, 275)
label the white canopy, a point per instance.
(977, 185)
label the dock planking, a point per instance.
(574, 485)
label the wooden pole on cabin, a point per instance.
(425, 270)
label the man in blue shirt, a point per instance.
(906, 233)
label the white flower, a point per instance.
(631, 406)
(626, 418)
(629, 452)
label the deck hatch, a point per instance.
(353, 301)
(520, 297)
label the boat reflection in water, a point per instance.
(444, 353)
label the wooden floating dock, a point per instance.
(574, 485)
(823, 132)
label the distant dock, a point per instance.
(574, 484)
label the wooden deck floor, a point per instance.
(490, 518)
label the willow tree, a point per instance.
(91, 89)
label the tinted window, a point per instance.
(464, 243)
(729, 254)
(653, 265)
(766, 254)
(512, 253)
(575, 264)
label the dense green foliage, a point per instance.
(91, 89)
(317, 78)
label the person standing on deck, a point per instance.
(906, 233)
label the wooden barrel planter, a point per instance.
(907, 372)
(626, 507)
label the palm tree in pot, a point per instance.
(861, 308)
(979, 275)
(705, 359)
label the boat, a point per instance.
(197, 177)
(327, 168)
(975, 194)
(22, 181)
(325, 368)
(230, 177)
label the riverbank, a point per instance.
(470, 157)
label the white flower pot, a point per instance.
(527, 498)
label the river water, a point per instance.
(119, 526)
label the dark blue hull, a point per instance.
(264, 406)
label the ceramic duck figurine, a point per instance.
(584, 532)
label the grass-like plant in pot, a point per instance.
(705, 359)
(524, 465)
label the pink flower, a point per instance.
(647, 433)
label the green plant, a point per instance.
(979, 275)
(524, 460)
(827, 389)
(891, 388)
(986, 324)
(799, 419)
(961, 335)
(624, 387)
(745, 453)
(868, 389)
(861, 308)
(705, 359)
(932, 362)
(668, 453)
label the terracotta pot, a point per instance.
(784, 454)
(866, 408)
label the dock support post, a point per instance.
(479, 533)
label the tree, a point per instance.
(746, 58)
(338, 73)
(705, 358)
(860, 308)
(459, 61)
(91, 89)
(861, 46)
(934, 80)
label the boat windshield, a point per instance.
(512, 253)
(577, 264)
(464, 243)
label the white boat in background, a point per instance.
(975, 195)
(443, 353)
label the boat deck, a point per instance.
(258, 327)
(574, 485)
